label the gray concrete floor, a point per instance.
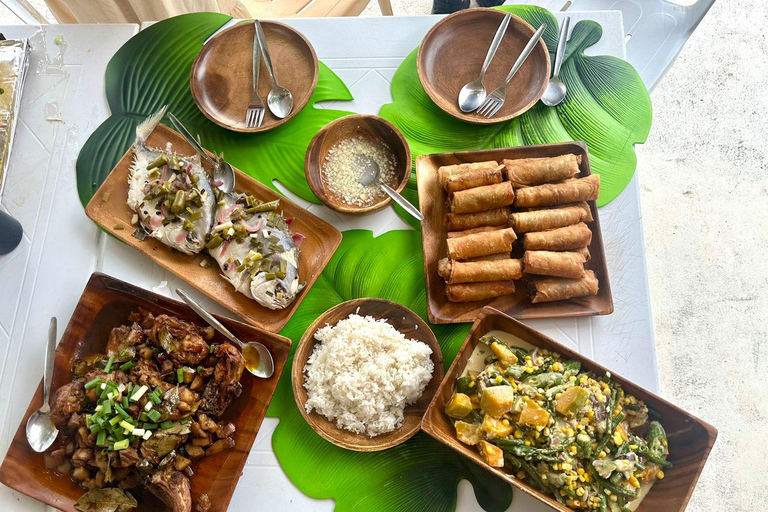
(704, 180)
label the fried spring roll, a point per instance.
(584, 189)
(479, 271)
(527, 172)
(454, 234)
(469, 292)
(581, 204)
(447, 172)
(548, 289)
(542, 220)
(481, 244)
(475, 178)
(492, 257)
(584, 251)
(463, 221)
(560, 239)
(558, 264)
(480, 199)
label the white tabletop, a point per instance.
(61, 248)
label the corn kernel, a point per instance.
(527, 443)
(499, 379)
(580, 471)
(518, 434)
(529, 370)
(614, 498)
(580, 491)
(633, 481)
(601, 455)
(583, 380)
(590, 413)
(472, 384)
(572, 378)
(505, 423)
(660, 475)
(633, 447)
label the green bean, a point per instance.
(607, 484)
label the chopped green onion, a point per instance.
(122, 413)
(154, 415)
(143, 417)
(121, 445)
(150, 426)
(94, 383)
(125, 402)
(116, 419)
(199, 369)
(108, 368)
(118, 434)
(139, 393)
(106, 407)
(123, 352)
(166, 425)
(184, 421)
(101, 438)
(154, 396)
(127, 366)
(127, 426)
(180, 375)
(212, 347)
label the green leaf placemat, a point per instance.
(419, 475)
(607, 106)
(152, 69)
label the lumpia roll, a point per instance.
(469, 292)
(584, 251)
(581, 204)
(560, 239)
(481, 244)
(446, 172)
(542, 220)
(479, 271)
(492, 257)
(548, 289)
(527, 172)
(476, 178)
(454, 234)
(558, 264)
(480, 199)
(463, 221)
(584, 189)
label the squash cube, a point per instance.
(491, 454)
(459, 406)
(497, 400)
(572, 401)
(468, 433)
(494, 427)
(505, 355)
(533, 415)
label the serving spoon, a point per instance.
(258, 359)
(41, 432)
(279, 99)
(370, 176)
(555, 91)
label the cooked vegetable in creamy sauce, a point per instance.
(567, 432)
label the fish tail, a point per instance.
(148, 125)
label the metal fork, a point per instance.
(255, 114)
(495, 100)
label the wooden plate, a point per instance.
(320, 243)
(402, 319)
(222, 74)
(434, 207)
(690, 439)
(369, 127)
(453, 52)
(105, 304)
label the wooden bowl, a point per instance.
(402, 319)
(221, 79)
(453, 52)
(105, 304)
(690, 439)
(359, 125)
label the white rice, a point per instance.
(363, 373)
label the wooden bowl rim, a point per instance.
(470, 117)
(364, 443)
(195, 90)
(345, 208)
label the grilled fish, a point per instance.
(171, 194)
(256, 250)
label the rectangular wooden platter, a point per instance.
(321, 239)
(433, 205)
(105, 304)
(690, 439)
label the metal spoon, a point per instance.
(555, 91)
(473, 94)
(222, 171)
(266, 366)
(41, 432)
(370, 175)
(279, 99)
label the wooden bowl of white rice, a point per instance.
(364, 373)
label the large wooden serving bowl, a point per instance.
(105, 304)
(690, 439)
(402, 319)
(453, 52)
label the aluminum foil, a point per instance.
(14, 61)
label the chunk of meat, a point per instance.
(225, 385)
(128, 457)
(67, 401)
(203, 503)
(181, 340)
(124, 338)
(172, 487)
(146, 372)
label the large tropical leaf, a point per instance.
(419, 475)
(607, 106)
(152, 69)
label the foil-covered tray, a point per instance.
(14, 61)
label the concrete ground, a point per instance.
(704, 180)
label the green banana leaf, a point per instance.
(152, 69)
(607, 106)
(419, 475)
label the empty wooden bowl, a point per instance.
(221, 79)
(453, 52)
(359, 125)
(402, 319)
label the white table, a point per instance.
(61, 248)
